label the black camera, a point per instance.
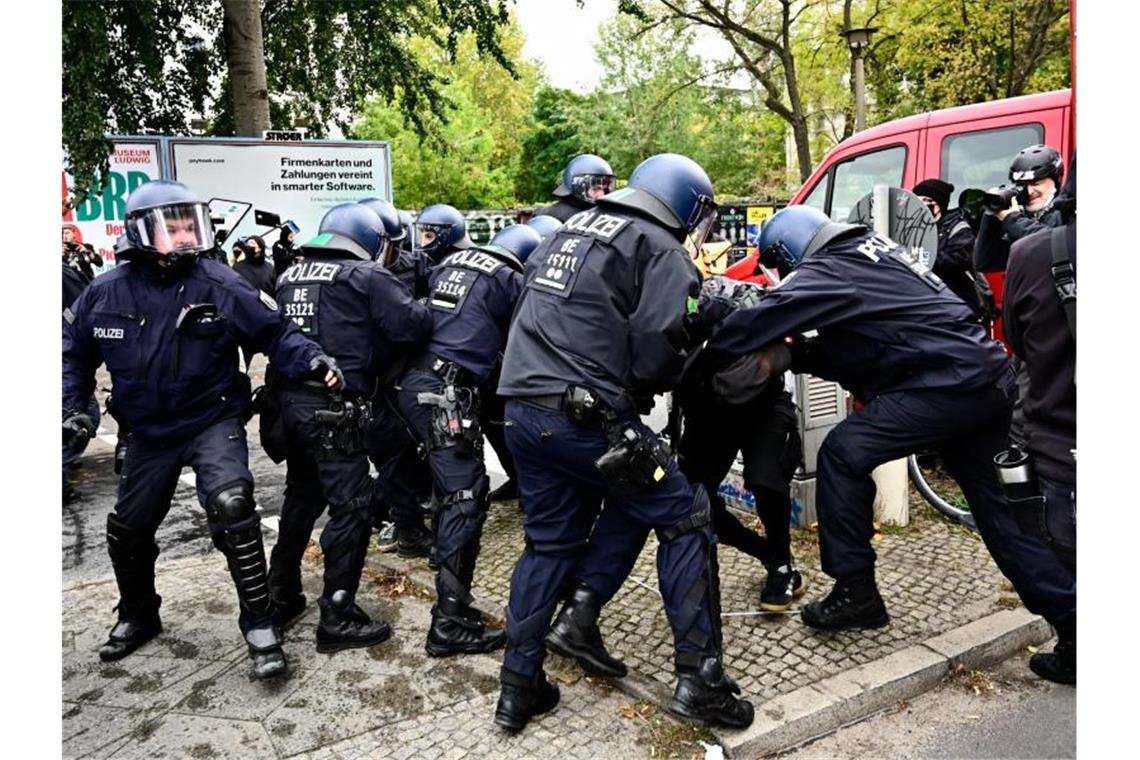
(1000, 198)
(634, 463)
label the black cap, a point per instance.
(936, 190)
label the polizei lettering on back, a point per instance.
(311, 271)
(472, 259)
(596, 224)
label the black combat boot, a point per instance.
(575, 634)
(706, 694)
(413, 540)
(853, 603)
(345, 626)
(136, 626)
(521, 698)
(1060, 665)
(132, 556)
(457, 628)
(264, 642)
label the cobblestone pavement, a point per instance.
(189, 693)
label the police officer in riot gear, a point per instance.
(602, 319)
(440, 230)
(494, 407)
(473, 294)
(357, 311)
(891, 332)
(388, 437)
(168, 326)
(585, 179)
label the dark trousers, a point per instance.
(561, 492)
(220, 460)
(1055, 519)
(404, 479)
(967, 428)
(316, 477)
(491, 419)
(766, 432)
(459, 480)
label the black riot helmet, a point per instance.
(1037, 162)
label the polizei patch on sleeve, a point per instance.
(267, 300)
(558, 270)
(69, 315)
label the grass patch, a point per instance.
(667, 738)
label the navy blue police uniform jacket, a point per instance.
(886, 323)
(171, 384)
(358, 311)
(472, 294)
(603, 306)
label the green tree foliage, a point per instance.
(552, 137)
(932, 54)
(471, 159)
(658, 96)
(132, 67)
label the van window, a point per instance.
(982, 159)
(858, 176)
(818, 197)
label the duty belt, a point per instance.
(443, 367)
(554, 402)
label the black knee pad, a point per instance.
(231, 505)
(474, 501)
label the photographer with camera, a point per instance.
(1040, 325)
(1026, 206)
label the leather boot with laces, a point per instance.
(575, 634)
(706, 694)
(457, 628)
(853, 603)
(345, 626)
(522, 698)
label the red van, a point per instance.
(969, 146)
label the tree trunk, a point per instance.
(799, 117)
(245, 55)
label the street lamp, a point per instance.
(858, 39)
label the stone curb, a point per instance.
(820, 708)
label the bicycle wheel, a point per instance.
(935, 500)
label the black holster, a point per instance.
(635, 462)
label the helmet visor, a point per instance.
(180, 228)
(703, 223)
(431, 237)
(590, 187)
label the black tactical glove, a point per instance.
(322, 364)
(76, 424)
